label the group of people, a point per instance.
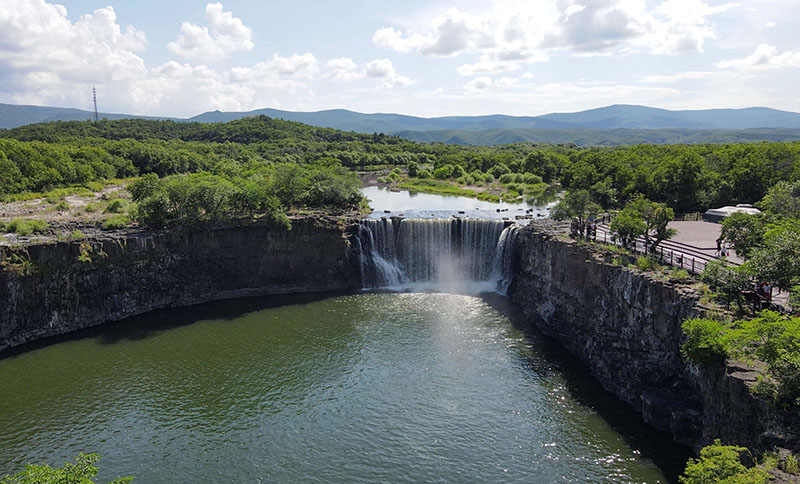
(763, 289)
(590, 231)
(722, 251)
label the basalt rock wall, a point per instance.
(625, 325)
(53, 288)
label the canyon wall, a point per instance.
(52, 288)
(625, 325)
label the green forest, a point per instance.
(688, 178)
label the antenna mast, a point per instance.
(94, 95)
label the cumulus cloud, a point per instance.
(479, 84)
(342, 69)
(301, 66)
(40, 49)
(238, 89)
(511, 33)
(224, 35)
(345, 69)
(45, 58)
(765, 57)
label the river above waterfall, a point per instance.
(387, 203)
(346, 389)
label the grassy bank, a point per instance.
(440, 187)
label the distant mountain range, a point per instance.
(611, 125)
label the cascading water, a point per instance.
(448, 254)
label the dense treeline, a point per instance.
(686, 177)
(253, 190)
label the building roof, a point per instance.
(727, 211)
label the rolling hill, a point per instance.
(610, 125)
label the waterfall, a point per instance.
(447, 254)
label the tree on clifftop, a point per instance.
(578, 206)
(642, 217)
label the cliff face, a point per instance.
(624, 324)
(56, 288)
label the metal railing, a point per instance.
(673, 253)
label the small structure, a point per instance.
(719, 214)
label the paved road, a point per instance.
(702, 236)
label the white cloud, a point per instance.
(345, 69)
(47, 59)
(488, 65)
(300, 66)
(479, 84)
(224, 36)
(683, 25)
(510, 33)
(507, 82)
(342, 69)
(384, 70)
(765, 57)
(41, 50)
(681, 76)
(186, 89)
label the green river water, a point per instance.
(417, 388)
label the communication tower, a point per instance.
(94, 96)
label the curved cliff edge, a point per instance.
(625, 325)
(52, 288)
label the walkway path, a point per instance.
(696, 242)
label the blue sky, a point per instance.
(180, 58)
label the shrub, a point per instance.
(413, 169)
(94, 186)
(424, 174)
(646, 263)
(722, 464)
(727, 282)
(531, 179)
(443, 172)
(498, 170)
(705, 340)
(478, 176)
(153, 211)
(507, 178)
(458, 172)
(62, 206)
(26, 226)
(80, 472)
(116, 205)
(770, 337)
(679, 274)
(116, 222)
(790, 465)
(77, 235)
(794, 298)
